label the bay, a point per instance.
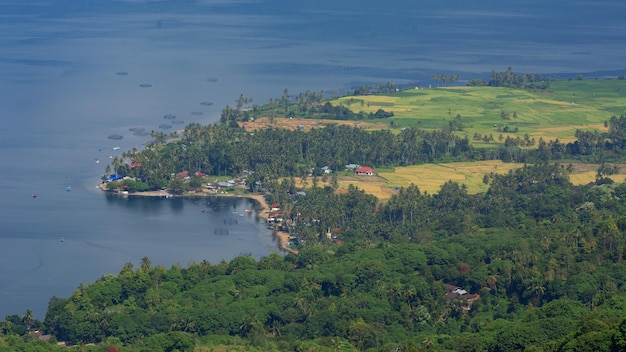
(74, 72)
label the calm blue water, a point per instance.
(60, 98)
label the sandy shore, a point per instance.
(103, 186)
(264, 213)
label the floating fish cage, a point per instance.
(221, 232)
(231, 221)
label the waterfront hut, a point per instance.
(114, 177)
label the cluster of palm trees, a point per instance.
(8, 325)
(445, 79)
(220, 150)
(510, 79)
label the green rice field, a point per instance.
(553, 114)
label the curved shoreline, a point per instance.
(283, 237)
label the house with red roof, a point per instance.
(364, 170)
(275, 217)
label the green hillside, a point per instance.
(533, 261)
(551, 114)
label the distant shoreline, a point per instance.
(264, 212)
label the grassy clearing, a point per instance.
(307, 124)
(430, 177)
(557, 113)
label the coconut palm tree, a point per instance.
(146, 264)
(6, 326)
(428, 343)
(535, 291)
(492, 282)
(28, 318)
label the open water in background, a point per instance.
(60, 98)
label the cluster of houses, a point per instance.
(455, 293)
(213, 186)
(275, 220)
(357, 169)
(276, 216)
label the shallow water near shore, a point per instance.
(73, 73)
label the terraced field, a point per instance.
(554, 114)
(430, 177)
(557, 113)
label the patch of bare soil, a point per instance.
(304, 124)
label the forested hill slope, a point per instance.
(535, 262)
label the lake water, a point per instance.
(60, 98)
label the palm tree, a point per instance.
(492, 282)
(285, 101)
(409, 294)
(28, 318)
(127, 269)
(535, 291)
(92, 315)
(146, 264)
(104, 325)
(117, 162)
(428, 343)
(6, 326)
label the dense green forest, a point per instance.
(533, 264)
(546, 258)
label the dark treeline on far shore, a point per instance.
(305, 105)
(510, 79)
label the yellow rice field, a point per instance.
(430, 177)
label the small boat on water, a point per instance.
(34, 195)
(116, 148)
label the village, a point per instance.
(119, 185)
